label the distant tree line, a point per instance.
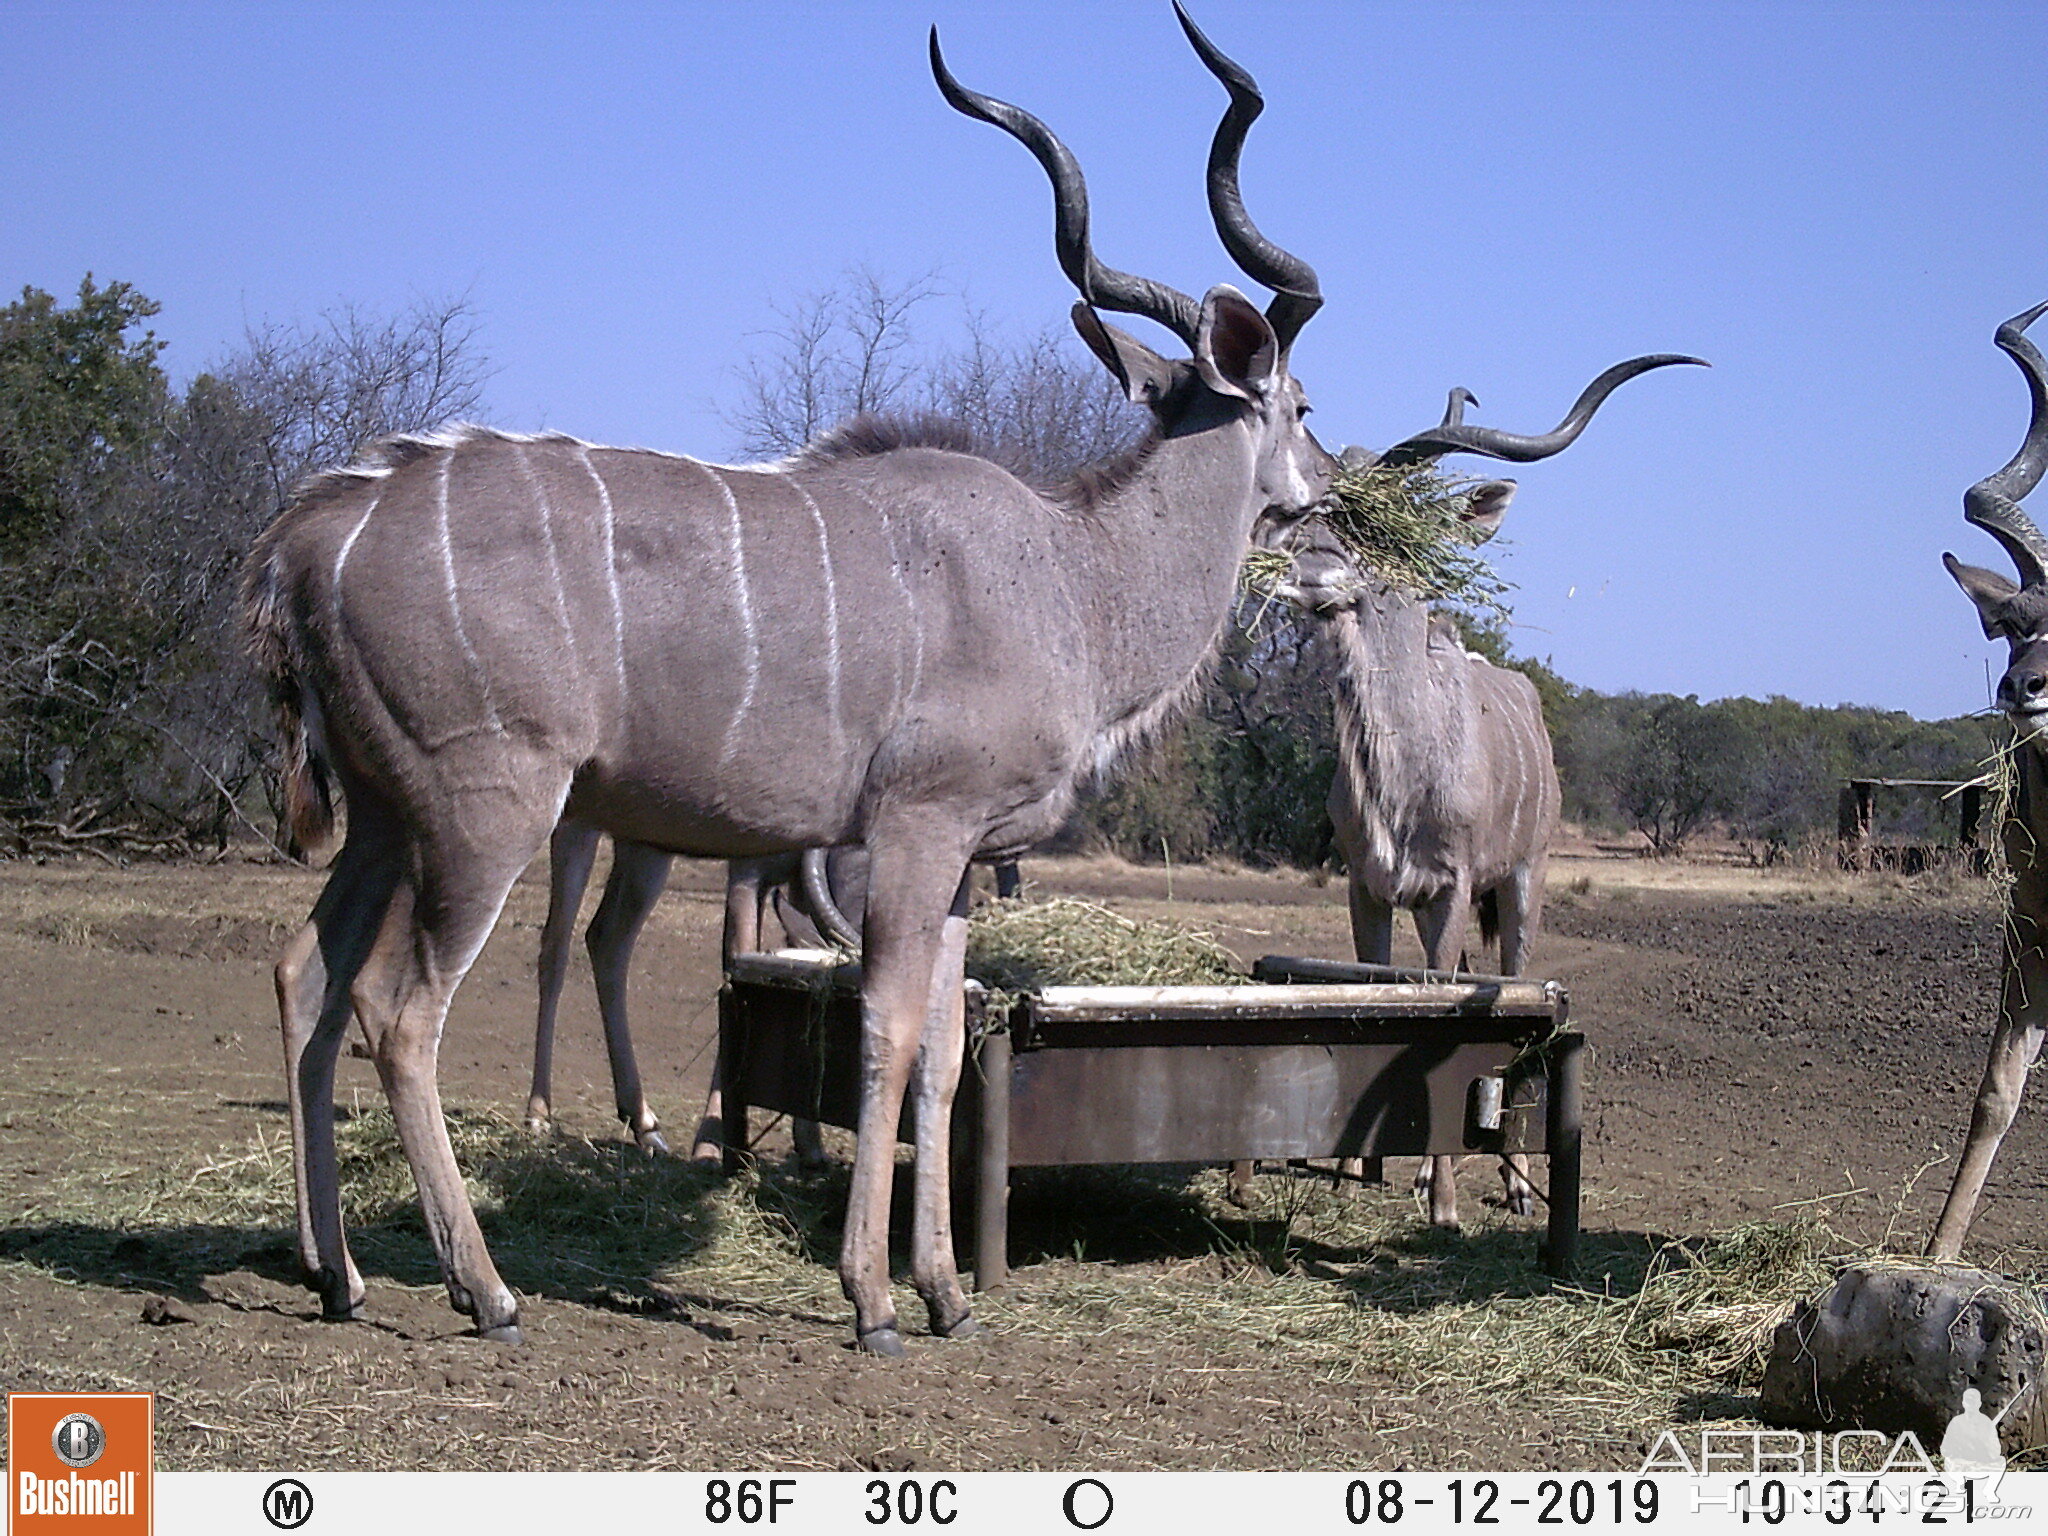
(1247, 775)
(130, 722)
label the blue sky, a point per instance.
(1835, 204)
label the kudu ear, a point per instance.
(1987, 589)
(1484, 509)
(1144, 374)
(1236, 352)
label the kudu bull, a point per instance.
(1445, 794)
(794, 893)
(475, 633)
(2018, 614)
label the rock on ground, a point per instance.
(1892, 1347)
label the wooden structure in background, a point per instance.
(1857, 806)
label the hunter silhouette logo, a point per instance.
(80, 1462)
(1969, 1447)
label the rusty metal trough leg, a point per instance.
(992, 1167)
(1561, 1135)
(731, 1053)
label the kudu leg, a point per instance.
(572, 850)
(639, 874)
(935, 1080)
(1442, 925)
(1372, 941)
(748, 884)
(437, 923)
(314, 977)
(912, 883)
(2015, 1043)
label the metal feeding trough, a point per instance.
(1311, 1058)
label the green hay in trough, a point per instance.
(1022, 944)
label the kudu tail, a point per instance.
(273, 639)
(1489, 918)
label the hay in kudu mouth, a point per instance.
(1404, 526)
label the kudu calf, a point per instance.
(2018, 614)
(1445, 795)
(475, 633)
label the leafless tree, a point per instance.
(833, 353)
(321, 389)
(1039, 405)
(132, 721)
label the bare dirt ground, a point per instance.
(1766, 1046)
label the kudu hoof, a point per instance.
(336, 1304)
(968, 1326)
(651, 1143)
(1521, 1203)
(886, 1342)
(503, 1333)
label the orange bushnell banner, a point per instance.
(80, 1463)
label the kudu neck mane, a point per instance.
(1143, 530)
(1401, 702)
(872, 433)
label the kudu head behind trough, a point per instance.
(881, 640)
(2016, 612)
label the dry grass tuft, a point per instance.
(1362, 1293)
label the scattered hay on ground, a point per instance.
(571, 1217)
(1363, 1295)
(1356, 1294)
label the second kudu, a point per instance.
(2018, 614)
(474, 633)
(1445, 795)
(795, 893)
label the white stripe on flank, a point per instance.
(611, 566)
(547, 534)
(483, 682)
(349, 543)
(746, 601)
(831, 615)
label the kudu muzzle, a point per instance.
(2023, 691)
